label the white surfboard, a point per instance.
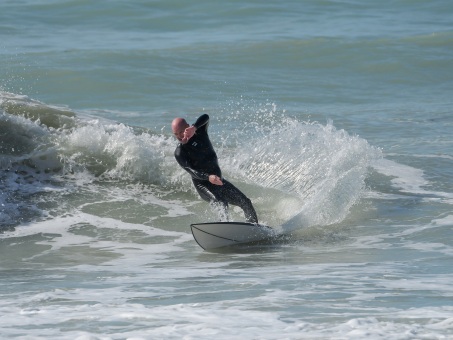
(222, 234)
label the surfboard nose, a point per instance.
(214, 235)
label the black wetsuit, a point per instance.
(199, 159)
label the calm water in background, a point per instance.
(334, 117)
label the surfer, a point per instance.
(196, 155)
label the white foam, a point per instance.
(410, 180)
(444, 221)
(63, 237)
(167, 290)
(207, 320)
(407, 178)
(116, 150)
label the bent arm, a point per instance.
(202, 121)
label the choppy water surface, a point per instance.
(334, 117)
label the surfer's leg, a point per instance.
(222, 210)
(208, 192)
(235, 197)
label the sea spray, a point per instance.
(323, 168)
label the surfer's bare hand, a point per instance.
(215, 180)
(188, 133)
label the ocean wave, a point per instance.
(48, 149)
(311, 169)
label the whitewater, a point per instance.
(333, 117)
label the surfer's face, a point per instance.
(178, 126)
(179, 134)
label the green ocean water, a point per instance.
(334, 117)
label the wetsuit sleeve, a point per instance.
(184, 163)
(202, 122)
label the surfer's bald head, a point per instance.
(178, 125)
